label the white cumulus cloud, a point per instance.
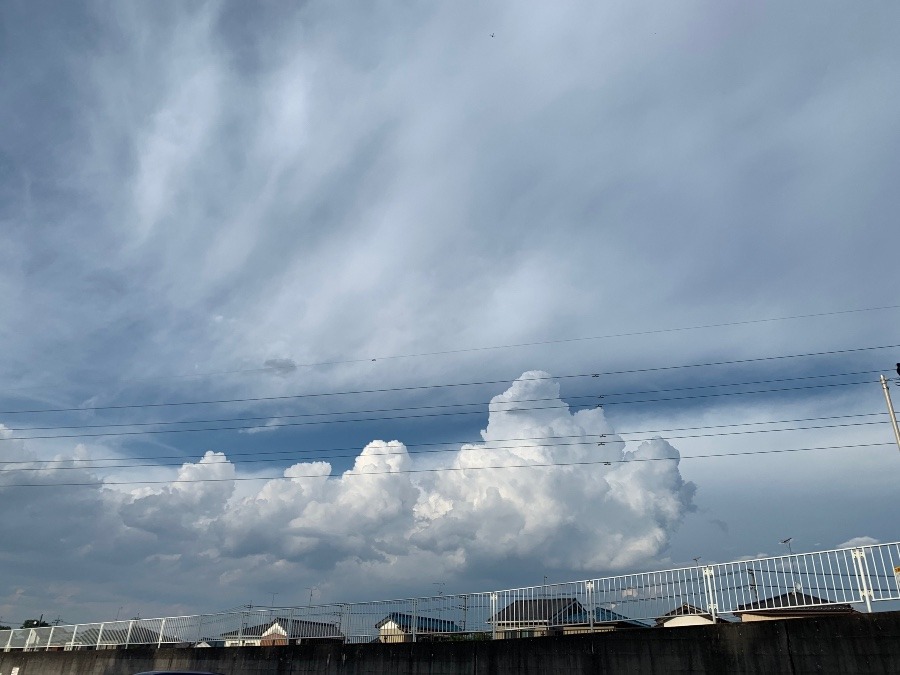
(394, 519)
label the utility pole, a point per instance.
(887, 398)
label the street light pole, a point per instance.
(887, 398)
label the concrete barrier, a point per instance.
(867, 643)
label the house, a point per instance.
(605, 620)
(686, 615)
(281, 631)
(398, 627)
(536, 618)
(792, 605)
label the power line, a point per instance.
(448, 469)
(458, 442)
(486, 447)
(257, 399)
(423, 416)
(593, 397)
(656, 331)
(521, 344)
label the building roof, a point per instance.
(425, 624)
(795, 602)
(604, 615)
(686, 609)
(552, 611)
(294, 628)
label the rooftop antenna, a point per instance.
(797, 585)
(752, 574)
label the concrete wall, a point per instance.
(837, 644)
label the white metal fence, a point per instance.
(841, 580)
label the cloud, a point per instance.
(859, 541)
(271, 425)
(593, 505)
(281, 366)
(196, 497)
(589, 507)
(215, 187)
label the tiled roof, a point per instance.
(544, 610)
(295, 628)
(686, 609)
(604, 615)
(423, 623)
(795, 602)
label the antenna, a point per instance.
(752, 574)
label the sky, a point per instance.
(292, 294)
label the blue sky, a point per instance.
(212, 201)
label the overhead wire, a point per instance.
(463, 350)
(447, 469)
(433, 407)
(257, 399)
(458, 442)
(486, 447)
(422, 416)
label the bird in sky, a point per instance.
(898, 368)
(898, 365)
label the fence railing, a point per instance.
(799, 584)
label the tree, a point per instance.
(35, 623)
(5, 627)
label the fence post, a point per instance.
(415, 619)
(710, 583)
(128, 635)
(345, 623)
(99, 636)
(74, 633)
(9, 640)
(49, 638)
(493, 616)
(589, 587)
(862, 576)
(161, 628)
